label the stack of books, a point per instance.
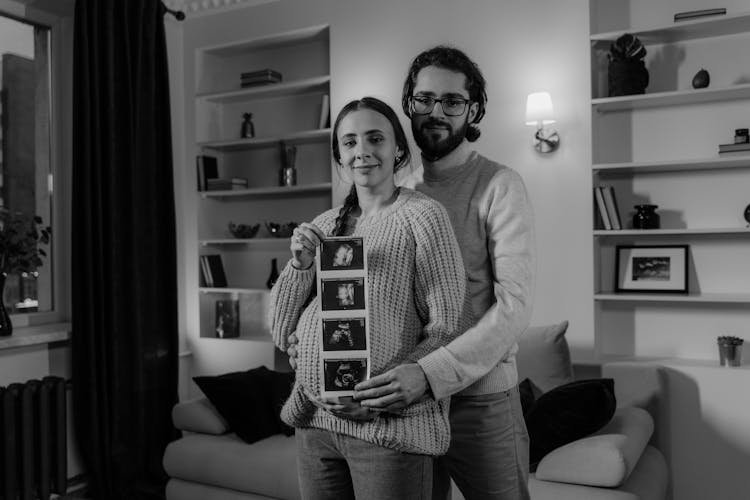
(607, 208)
(260, 77)
(740, 147)
(694, 14)
(226, 184)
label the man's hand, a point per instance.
(348, 409)
(291, 351)
(393, 390)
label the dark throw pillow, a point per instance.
(567, 413)
(281, 388)
(247, 401)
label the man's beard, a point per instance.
(434, 148)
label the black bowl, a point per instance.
(243, 231)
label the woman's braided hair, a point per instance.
(351, 201)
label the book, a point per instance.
(692, 14)
(218, 279)
(222, 184)
(260, 77)
(206, 272)
(207, 167)
(325, 111)
(227, 319)
(609, 200)
(727, 148)
(601, 205)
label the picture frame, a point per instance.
(342, 374)
(651, 268)
(340, 294)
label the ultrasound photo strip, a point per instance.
(344, 326)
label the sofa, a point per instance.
(616, 462)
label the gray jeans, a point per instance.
(335, 466)
(489, 451)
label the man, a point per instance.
(444, 96)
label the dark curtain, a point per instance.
(124, 281)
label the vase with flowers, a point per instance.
(20, 238)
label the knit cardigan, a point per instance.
(418, 301)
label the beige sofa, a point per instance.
(616, 463)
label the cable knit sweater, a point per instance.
(494, 223)
(418, 301)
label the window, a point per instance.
(26, 181)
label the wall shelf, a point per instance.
(243, 241)
(673, 165)
(714, 298)
(707, 27)
(672, 232)
(302, 137)
(297, 87)
(672, 98)
(322, 187)
(229, 290)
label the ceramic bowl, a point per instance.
(243, 230)
(281, 230)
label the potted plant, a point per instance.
(627, 73)
(730, 350)
(20, 237)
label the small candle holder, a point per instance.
(730, 350)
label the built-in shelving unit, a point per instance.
(284, 114)
(661, 148)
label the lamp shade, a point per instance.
(539, 109)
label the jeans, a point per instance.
(488, 456)
(333, 466)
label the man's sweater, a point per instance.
(492, 217)
(417, 302)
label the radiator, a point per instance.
(33, 453)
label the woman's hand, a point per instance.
(349, 409)
(305, 239)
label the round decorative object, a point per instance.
(281, 230)
(243, 231)
(747, 214)
(701, 79)
(646, 217)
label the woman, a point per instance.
(416, 291)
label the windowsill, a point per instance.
(36, 335)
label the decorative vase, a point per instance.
(248, 128)
(288, 173)
(627, 77)
(646, 217)
(274, 274)
(6, 327)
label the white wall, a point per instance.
(519, 51)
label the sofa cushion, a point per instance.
(198, 415)
(567, 413)
(266, 467)
(248, 400)
(604, 459)
(543, 357)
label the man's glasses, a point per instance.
(452, 106)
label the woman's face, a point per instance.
(367, 145)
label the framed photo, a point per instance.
(342, 294)
(342, 254)
(344, 334)
(658, 268)
(342, 374)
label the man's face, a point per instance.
(436, 133)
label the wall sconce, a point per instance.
(539, 113)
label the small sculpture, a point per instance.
(701, 79)
(627, 71)
(248, 129)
